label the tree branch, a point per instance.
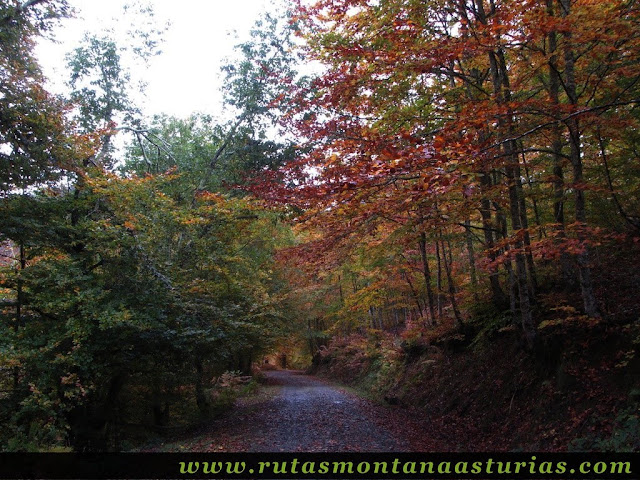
(216, 156)
(22, 8)
(568, 117)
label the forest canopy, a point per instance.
(451, 169)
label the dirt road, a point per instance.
(297, 412)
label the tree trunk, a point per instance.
(472, 259)
(502, 94)
(526, 240)
(439, 279)
(414, 293)
(201, 398)
(427, 275)
(498, 296)
(555, 82)
(476, 77)
(451, 285)
(575, 156)
(159, 405)
(534, 202)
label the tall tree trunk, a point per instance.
(473, 85)
(575, 156)
(451, 284)
(555, 82)
(427, 275)
(489, 229)
(502, 94)
(159, 404)
(526, 239)
(414, 293)
(534, 202)
(472, 258)
(439, 279)
(201, 398)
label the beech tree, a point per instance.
(450, 157)
(459, 121)
(101, 79)
(126, 296)
(33, 134)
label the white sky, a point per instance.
(186, 77)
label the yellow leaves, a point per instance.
(73, 386)
(570, 316)
(550, 323)
(197, 290)
(211, 197)
(194, 220)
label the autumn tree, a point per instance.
(32, 131)
(126, 296)
(454, 123)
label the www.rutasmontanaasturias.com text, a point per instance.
(398, 467)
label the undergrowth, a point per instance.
(578, 390)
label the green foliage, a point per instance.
(262, 76)
(122, 296)
(34, 141)
(133, 289)
(99, 82)
(624, 437)
(102, 79)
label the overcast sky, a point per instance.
(186, 77)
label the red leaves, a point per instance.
(430, 115)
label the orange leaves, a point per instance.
(434, 114)
(210, 197)
(129, 225)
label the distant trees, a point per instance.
(102, 87)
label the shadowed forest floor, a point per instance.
(577, 394)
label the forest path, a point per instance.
(298, 412)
